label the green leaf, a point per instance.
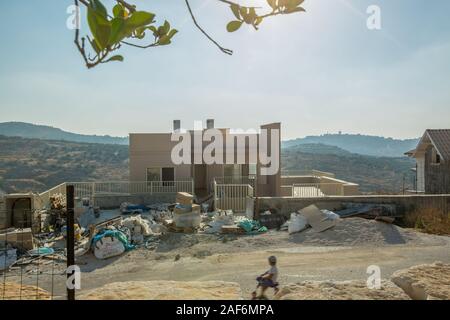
(139, 19)
(291, 4)
(233, 26)
(118, 11)
(100, 27)
(166, 39)
(292, 10)
(235, 10)
(251, 16)
(117, 31)
(115, 58)
(166, 27)
(172, 33)
(272, 3)
(99, 8)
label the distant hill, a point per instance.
(360, 144)
(318, 148)
(38, 165)
(373, 174)
(33, 131)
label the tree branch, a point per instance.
(224, 50)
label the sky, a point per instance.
(315, 72)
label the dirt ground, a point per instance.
(201, 257)
(184, 257)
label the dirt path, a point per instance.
(197, 257)
(295, 264)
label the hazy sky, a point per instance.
(321, 71)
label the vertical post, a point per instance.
(70, 241)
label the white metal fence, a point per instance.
(90, 189)
(232, 196)
(312, 190)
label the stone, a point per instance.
(425, 282)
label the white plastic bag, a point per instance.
(108, 247)
(297, 223)
(187, 220)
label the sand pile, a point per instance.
(359, 231)
(166, 290)
(340, 290)
(15, 291)
(425, 282)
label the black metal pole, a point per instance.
(70, 240)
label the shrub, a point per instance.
(429, 220)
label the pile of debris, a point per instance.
(325, 228)
(186, 215)
(312, 217)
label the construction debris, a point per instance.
(19, 238)
(317, 219)
(7, 258)
(110, 243)
(186, 214)
(367, 210)
(58, 201)
(139, 228)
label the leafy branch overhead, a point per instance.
(124, 24)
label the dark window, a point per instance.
(168, 176)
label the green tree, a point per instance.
(125, 25)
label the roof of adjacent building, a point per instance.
(441, 141)
(439, 138)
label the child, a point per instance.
(268, 279)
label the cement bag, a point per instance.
(7, 258)
(108, 247)
(297, 223)
(187, 220)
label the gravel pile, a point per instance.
(359, 231)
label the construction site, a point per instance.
(187, 248)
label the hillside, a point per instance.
(33, 131)
(37, 165)
(360, 144)
(373, 174)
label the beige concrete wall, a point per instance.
(149, 150)
(290, 180)
(405, 203)
(271, 185)
(153, 150)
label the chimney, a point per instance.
(210, 124)
(176, 125)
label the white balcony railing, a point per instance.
(313, 190)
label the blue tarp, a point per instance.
(119, 235)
